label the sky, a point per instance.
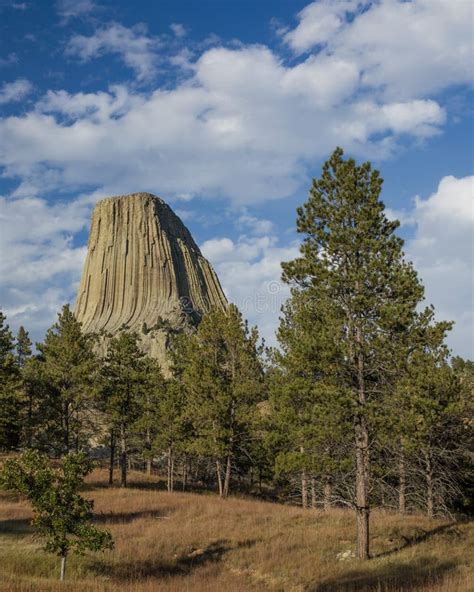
(227, 110)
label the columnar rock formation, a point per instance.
(143, 273)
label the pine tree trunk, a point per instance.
(304, 489)
(185, 472)
(30, 421)
(402, 483)
(361, 434)
(429, 486)
(123, 457)
(228, 469)
(112, 457)
(63, 568)
(148, 449)
(219, 477)
(313, 493)
(66, 426)
(170, 479)
(362, 503)
(327, 493)
(304, 484)
(172, 472)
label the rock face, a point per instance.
(143, 273)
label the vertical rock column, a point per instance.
(143, 267)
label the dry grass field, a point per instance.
(195, 542)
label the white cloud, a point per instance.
(243, 126)
(178, 30)
(318, 23)
(97, 107)
(254, 225)
(13, 92)
(442, 250)
(68, 9)
(39, 263)
(133, 45)
(403, 49)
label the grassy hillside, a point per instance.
(195, 542)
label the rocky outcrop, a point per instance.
(143, 273)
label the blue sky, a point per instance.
(227, 109)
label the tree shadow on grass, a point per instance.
(127, 517)
(181, 566)
(17, 526)
(450, 529)
(388, 575)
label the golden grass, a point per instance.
(184, 542)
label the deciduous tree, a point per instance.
(61, 515)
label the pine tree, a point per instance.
(22, 347)
(23, 353)
(173, 427)
(9, 390)
(70, 367)
(434, 434)
(353, 262)
(42, 408)
(148, 424)
(395, 428)
(222, 376)
(123, 379)
(308, 408)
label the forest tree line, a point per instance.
(361, 404)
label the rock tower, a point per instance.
(143, 272)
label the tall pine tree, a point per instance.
(352, 261)
(9, 390)
(222, 376)
(70, 369)
(123, 379)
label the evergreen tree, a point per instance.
(23, 353)
(61, 515)
(173, 428)
(222, 376)
(9, 390)
(147, 426)
(394, 428)
(22, 347)
(434, 434)
(352, 261)
(464, 371)
(42, 408)
(123, 386)
(70, 367)
(308, 407)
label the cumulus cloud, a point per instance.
(442, 250)
(39, 262)
(13, 92)
(319, 22)
(242, 127)
(132, 45)
(403, 49)
(68, 9)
